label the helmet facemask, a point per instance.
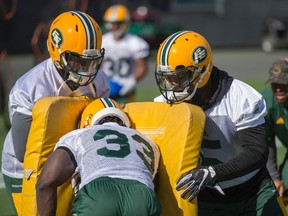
(82, 69)
(177, 86)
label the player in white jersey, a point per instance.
(126, 54)
(74, 44)
(117, 165)
(232, 178)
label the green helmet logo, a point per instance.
(57, 37)
(199, 54)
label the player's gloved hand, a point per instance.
(195, 180)
(75, 182)
(128, 86)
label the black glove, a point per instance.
(196, 180)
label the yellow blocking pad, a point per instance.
(17, 202)
(52, 118)
(177, 130)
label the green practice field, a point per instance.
(144, 94)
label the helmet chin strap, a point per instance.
(185, 92)
(77, 79)
(61, 86)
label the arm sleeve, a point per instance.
(254, 154)
(272, 158)
(272, 161)
(20, 128)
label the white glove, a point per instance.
(128, 86)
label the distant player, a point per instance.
(126, 54)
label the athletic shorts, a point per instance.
(265, 203)
(113, 196)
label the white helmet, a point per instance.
(100, 108)
(110, 111)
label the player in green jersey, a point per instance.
(276, 97)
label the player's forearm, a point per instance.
(20, 128)
(272, 161)
(46, 201)
(253, 157)
(141, 69)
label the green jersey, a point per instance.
(277, 117)
(277, 124)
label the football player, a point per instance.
(117, 165)
(232, 178)
(74, 44)
(126, 54)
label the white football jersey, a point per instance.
(41, 81)
(119, 57)
(114, 151)
(241, 107)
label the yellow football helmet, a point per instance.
(74, 43)
(100, 108)
(117, 14)
(184, 63)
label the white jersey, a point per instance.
(241, 107)
(41, 81)
(114, 151)
(119, 57)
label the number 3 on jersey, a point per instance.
(124, 150)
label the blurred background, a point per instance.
(232, 25)
(246, 37)
(224, 23)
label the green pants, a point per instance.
(12, 185)
(264, 203)
(112, 196)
